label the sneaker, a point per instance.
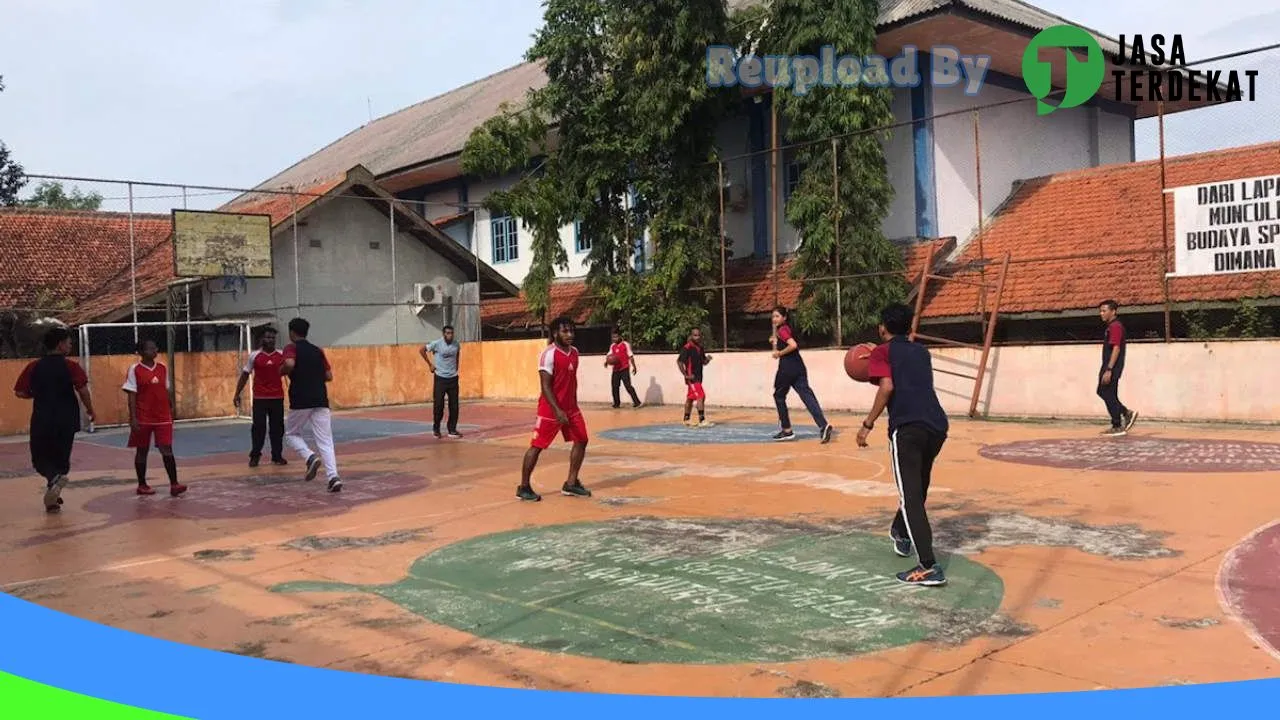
(1130, 419)
(455, 435)
(690, 423)
(436, 433)
(705, 424)
(253, 460)
(784, 435)
(53, 493)
(615, 407)
(931, 577)
(575, 490)
(901, 546)
(313, 467)
(637, 405)
(279, 461)
(176, 489)
(1114, 432)
(527, 493)
(335, 484)
(825, 434)
(145, 489)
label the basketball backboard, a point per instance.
(219, 244)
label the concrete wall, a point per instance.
(1214, 382)
(1016, 144)
(340, 275)
(1188, 381)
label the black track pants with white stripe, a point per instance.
(912, 450)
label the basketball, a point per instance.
(857, 362)
(610, 359)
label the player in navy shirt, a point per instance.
(903, 370)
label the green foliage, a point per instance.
(632, 114)
(865, 193)
(52, 195)
(1247, 320)
(12, 176)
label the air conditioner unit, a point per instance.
(425, 294)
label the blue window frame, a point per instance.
(506, 239)
(581, 243)
(793, 178)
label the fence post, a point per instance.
(395, 306)
(1164, 232)
(724, 293)
(982, 254)
(835, 228)
(133, 266)
(297, 251)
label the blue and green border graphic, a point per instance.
(58, 666)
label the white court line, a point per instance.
(1228, 607)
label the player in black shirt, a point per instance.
(691, 361)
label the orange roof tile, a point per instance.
(79, 259)
(1080, 237)
(281, 206)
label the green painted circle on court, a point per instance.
(651, 590)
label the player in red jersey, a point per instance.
(268, 398)
(147, 384)
(558, 412)
(691, 360)
(624, 366)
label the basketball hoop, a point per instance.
(235, 283)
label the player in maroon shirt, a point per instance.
(624, 366)
(150, 415)
(691, 360)
(1113, 355)
(558, 412)
(268, 398)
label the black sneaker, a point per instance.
(1114, 432)
(901, 546)
(930, 577)
(575, 490)
(637, 406)
(1130, 419)
(436, 433)
(335, 484)
(279, 461)
(615, 407)
(253, 460)
(313, 467)
(455, 435)
(825, 434)
(784, 435)
(527, 493)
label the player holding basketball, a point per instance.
(1113, 352)
(691, 360)
(151, 416)
(792, 374)
(52, 383)
(309, 373)
(624, 366)
(558, 412)
(268, 398)
(918, 427)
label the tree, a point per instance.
(12, 177)
(850, 114)
(52, 195)
(635, 129)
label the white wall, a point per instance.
(1016, 144)
(1186, 381)
(482, 238)
(342, 275)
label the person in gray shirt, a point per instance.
(442, 357)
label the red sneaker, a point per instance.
(146, 490)
(176, 489)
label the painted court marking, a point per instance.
(1248, 584)
(720, 434)
(732, 591)
(1154, 455)
(194, 441)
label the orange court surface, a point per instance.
(710, 561)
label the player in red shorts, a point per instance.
(691, 361)
(558, 412)
(147, 384)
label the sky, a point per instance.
(232, 92)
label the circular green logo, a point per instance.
(688, 591)
(1083, 79)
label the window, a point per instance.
(581, 243)
(793, 178)
(506, 240)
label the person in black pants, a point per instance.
(903, 370)
(268, 398)
(1113, 352)
(53, 382)
(792, 374)
(442, 357)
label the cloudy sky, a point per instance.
(229, 93)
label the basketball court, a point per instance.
(709, 561)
